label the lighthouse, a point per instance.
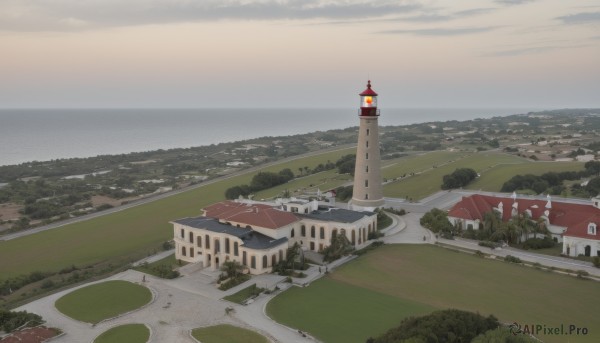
(368, 192)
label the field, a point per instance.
(227, 334)
(495, 169)
(129, 333)
(396, 281)
(92, 304)
(124, 236)
(241, 295)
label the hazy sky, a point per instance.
(309, 53)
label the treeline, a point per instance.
(459, 178)
(260, 181)
(266, 180)
(552, 182)
(450, 326)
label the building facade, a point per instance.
(573, 224)
(257, 234)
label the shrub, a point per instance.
(512, 259)
(596, 261)
(582, 274)
(488, 244)
(538, 243)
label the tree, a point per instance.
(338, 247)
(451, 326)
(459, 178)
(232, 268)
(346, 164)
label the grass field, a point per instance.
(92, 304)
(242, 295)
(396, 281)
(430, 179)
(129, 333)
(124, 236)
(493, 179)
(227, 334)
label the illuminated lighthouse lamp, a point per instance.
(368, 102)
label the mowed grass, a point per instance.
(323, 181)
(128, 333)
(127, 235)
(338, 312)
(94, 303)
(430, 179)
(241, 295)
(433, 277)
(417, 163)
(227, 334)
(493, 179)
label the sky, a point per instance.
(299, 53)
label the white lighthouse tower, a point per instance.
(368, 192)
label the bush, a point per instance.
(512, 259)
(488, 244)
(440, 326)
(436, 220)
(10, 321)
(596, 261)
(538, 243)
(582, 274)
(234, 282)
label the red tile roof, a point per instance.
(256, 215)
(575, 217)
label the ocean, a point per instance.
(45, 134)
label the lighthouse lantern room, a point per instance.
(368, 102)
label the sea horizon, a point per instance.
(42, 134)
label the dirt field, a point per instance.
(10, 211)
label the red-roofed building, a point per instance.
(572, 223)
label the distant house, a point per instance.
(257, 234)
(575, 225)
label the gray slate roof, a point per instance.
(336, 215)
(251, 239)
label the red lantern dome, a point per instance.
(368, 101)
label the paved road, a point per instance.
(157, 197)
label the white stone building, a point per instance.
(257, 234)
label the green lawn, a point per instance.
(227, 334)
(100, 301)
(126, 235)
(129, 333)
(430, 180)
(168, 261)
(493, 179)
(242, 295)
(374, 292)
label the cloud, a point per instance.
(442, 31)
(436, 17)
(513, 2)
(581, 18)
(35, 15)
(532, 50)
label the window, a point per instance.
(292, 233)
(366, 196)
(591, 229)
(367, 156)
(280, 255)
(244, 262)
(182, 233)
(253, 262)
(312, 231)
(265, 259)
(235, 249)
(199, 241)
(366, 183)
(367, 169)
(227, 245)
(191, 252)
(207, 242)
(217, 246)
(368, 131)
(183, 251)
(191, 235)
(322, 232)
(367, 144)
(303, 231)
